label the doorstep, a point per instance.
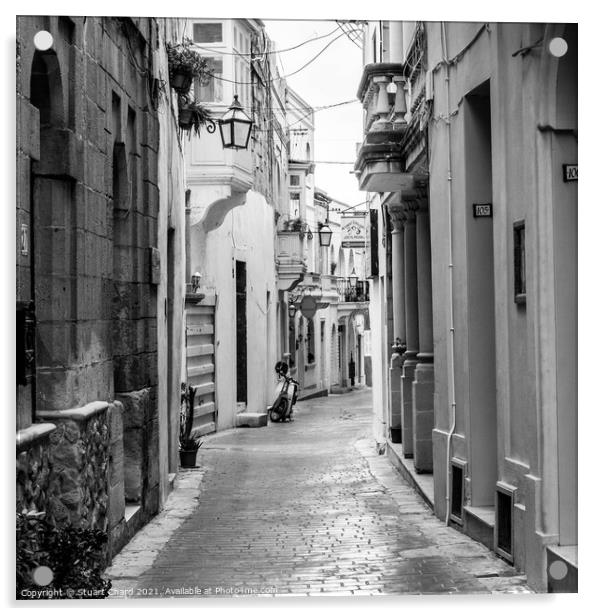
(251, 420)
(338, 389)
(421, 482)
(308, 394)
(479, 524)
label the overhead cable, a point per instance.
(250, 83)
(274, 51)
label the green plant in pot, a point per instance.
(184, 65)
(294, 224)
(189, 445)
(192, 116)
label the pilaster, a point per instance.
(424, 375)
(411, 306)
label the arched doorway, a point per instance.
(52, 241)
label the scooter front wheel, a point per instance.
(277, 413)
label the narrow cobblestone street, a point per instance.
(306, 508)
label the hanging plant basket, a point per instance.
(184, 65)
(185, 118)
(181, 80)
(192, 117)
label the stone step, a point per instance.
(251, 420)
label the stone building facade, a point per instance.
(469, 159)
(91, 109)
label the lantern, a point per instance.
(325, 234)
(235, 127)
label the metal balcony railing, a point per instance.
(348, 292)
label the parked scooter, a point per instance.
(286, 395)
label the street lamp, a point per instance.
(292, 310)
(353, 278)
(195, 282)
(325, 234)
(235, 127)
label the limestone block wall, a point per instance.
(34, 467)
(78, 476)
(87, 206)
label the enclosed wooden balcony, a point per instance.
(291, 261)
(380, 166)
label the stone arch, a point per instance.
(365, 313)
(558, 80)
(46, 88)
(52, 227)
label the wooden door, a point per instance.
(200, 361)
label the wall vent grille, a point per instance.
(457, 495)
(503, 522)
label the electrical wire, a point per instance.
(450, 62)
(349, 34)
(308, 108)
(274, 51)
(251, 83)
(262, 130)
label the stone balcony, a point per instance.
(380, 165)
(291, 261)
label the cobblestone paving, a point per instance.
(302, 508)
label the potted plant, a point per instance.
(192, 116)
(184, 65)
(189, 445)
(398, 347)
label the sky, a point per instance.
(332, 78)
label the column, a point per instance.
(424, 376)
(399, 321)
(410, 356)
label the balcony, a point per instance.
(380, 165)
(348, 292)
(291, 262)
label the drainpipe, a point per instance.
(451, 341)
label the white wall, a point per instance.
(247, 234)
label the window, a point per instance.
(242, 80)
(295, 201)
(209, 89)
(207, 33)
(520, 287)
(294, 180)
